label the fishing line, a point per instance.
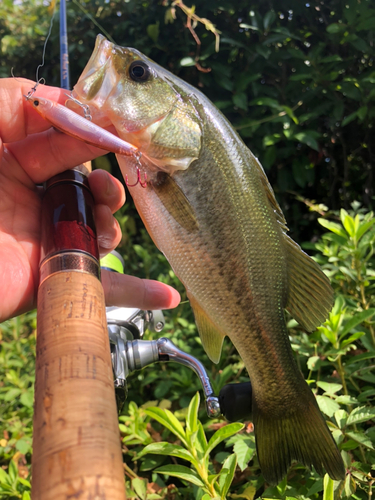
(45, 46)
(38, 80)
(93, 20)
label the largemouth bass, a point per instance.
(210, 209)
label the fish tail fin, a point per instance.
(300, 434)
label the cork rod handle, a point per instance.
(77, 450)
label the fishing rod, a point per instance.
(76, 441)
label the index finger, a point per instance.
(40, 150)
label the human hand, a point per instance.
(31, 152)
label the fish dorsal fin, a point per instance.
(310, 295)
(212, 339)
(175, 201)
(270, 195)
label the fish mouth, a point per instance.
(99, 78)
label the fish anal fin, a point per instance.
(175, 201)
(299, 433)
(310, 295)
(212, 339)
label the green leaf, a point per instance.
(356, 320)
(346, 400)
(13, 471)
(366, 24)
(140, 487)
(227, 474)
(307, 139)
(332, 226)
(168, 449)
(201, 440)
(347, 222)
(26, 496)
(166, 418)
(328, 488)
(364, 227)
(240, 100)
(361, 438)
(245, 450)
(329, 388)
(327, 405)
(12, 394)
(248, 493)
(27, 398)
(349, 118)
(313, 363)
(360, 357)
(335, 28)
(181, 472)
(341, 417)
(269, 19)
(4, 477)
(361, 414)
(192, 416)
(331, 336)
(290, 113)
(153, 31)
(222, 434)
(351, 339)
(23, 446)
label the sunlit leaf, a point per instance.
(227, 474)
(361, 438)
(181, 472)
(361, 414)
(140, 487)
(328, 491)
(168, 449)
(333, 226)
(221, 434)
(329, 388)
(245, 450)
(166, 418)
(327, 405)
(356, 320)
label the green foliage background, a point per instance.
(296, 79)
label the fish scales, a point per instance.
(209, 208)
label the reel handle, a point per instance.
(236, 401)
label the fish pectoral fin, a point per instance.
(212, 339)
(310, 295)
(175, 201)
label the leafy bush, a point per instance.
(295, 78)
(171, 449)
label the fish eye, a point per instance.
(139, 71)
(36, 103)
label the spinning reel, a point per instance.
(129, 353)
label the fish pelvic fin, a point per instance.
(301, 435)
(310, 295)
(212, 339)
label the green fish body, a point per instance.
(209, 208)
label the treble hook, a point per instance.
(139, 179)
(85, 107)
